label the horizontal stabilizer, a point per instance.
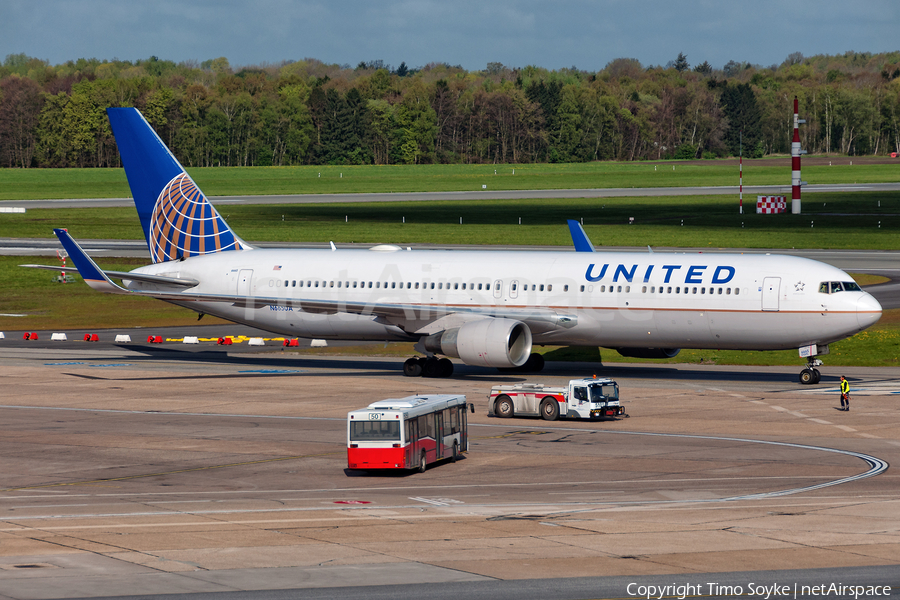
(87, 268)
(157, 279)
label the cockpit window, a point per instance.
(833, 287)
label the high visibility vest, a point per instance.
(845, 387)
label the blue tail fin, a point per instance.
(178, 220)
(579, 237)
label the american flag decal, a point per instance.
(185, 224)
(276, 268)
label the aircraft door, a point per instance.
(770, 289)
(243, 282)
(514, 289)
(498, 288)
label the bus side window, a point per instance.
(454, 419)
(427, 426)
(447, 428)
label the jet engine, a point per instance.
(487, 342)
(649, 352)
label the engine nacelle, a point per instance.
(485, 343)
(649, 352)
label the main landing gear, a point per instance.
(428, 367)
(534, 364)
(432, 366)
(810, 375)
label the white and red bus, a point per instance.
(407, 433)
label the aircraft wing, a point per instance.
(414, 318)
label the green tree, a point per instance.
(741, 109)
(21, 102)
(381, 130)
(417, 125)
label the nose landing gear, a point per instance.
(810, 375)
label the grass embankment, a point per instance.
(862, 220)
(25, 184)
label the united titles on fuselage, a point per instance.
(693, 274)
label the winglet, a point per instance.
(579, 237)
(87, 268)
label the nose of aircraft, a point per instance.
(868, 311)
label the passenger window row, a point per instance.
(826, 287)
(409, 285)
(667, 290)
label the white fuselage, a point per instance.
(613, 299)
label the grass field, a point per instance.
(863, 220)
(25, 184)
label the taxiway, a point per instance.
(140, 470)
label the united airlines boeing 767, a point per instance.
(487, 308)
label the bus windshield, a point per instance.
(605, 391)
(375, 431)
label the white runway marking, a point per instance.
(438, 501)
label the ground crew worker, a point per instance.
(845, 393)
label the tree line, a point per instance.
(310, 112)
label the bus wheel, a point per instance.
(422, 463)
(504, 406)
(455, 456)
(550, 409)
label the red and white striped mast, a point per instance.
(795, 160)
(741, 173)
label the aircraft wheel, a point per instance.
(534, 364)
(807, 376)
(504, 406)
(445, 367)
(430, 368)
(412, 367)
(816, 376)
(550, 409)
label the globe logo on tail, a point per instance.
(185, 224)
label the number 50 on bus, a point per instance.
(407, 433)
